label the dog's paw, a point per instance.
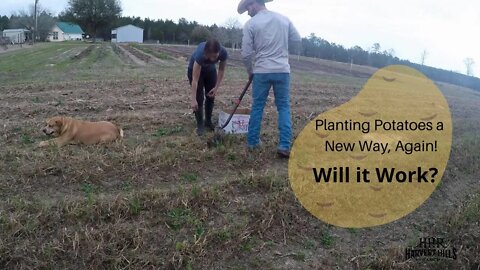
(44, 144)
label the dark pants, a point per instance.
(206, 82)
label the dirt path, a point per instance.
(12, 48)
(132, 57)
(84, 53)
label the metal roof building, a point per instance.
(66, 31)
(16, 35)
(127, 33)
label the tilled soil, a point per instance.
(161, 198)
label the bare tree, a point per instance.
(234, 32)
(41, 23)
(391, 52)
(376, 48)
(220, 33)
(469, 63)
(200, 33)
(233, 23)
(424, 56)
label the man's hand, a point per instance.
(212, 93)
(194, 105)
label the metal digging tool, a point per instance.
(219, 132)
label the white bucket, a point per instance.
(239, 122)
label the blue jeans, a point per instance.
(261, 87)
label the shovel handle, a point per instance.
(237, 103)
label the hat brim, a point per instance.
(242, 6)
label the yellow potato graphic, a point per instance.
(377, 157)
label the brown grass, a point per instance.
(161, 199)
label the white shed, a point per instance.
(63, 31)
(127, 33)
(16, 35)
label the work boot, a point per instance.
(208, 115)
(200, 125)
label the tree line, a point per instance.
(317, 47)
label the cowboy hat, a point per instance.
(242, 7)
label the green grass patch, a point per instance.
(145, 49)
(196, 192)
(299, 256)
(88, 190)
(135, 206)
(469, 213)
(327, 239)
(53, 62)
(162, 132)
(309, 244)
(232, 156)
(224, 235)
(26, 139)
(353, 230)
(190, 177)
(248, 245)
(177, 218)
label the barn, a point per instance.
(127, 33)
(16, 35)
(63, 31)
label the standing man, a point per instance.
(205, 81)
(265, 38)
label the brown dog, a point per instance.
(68, 130)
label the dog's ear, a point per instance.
(59, 121)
